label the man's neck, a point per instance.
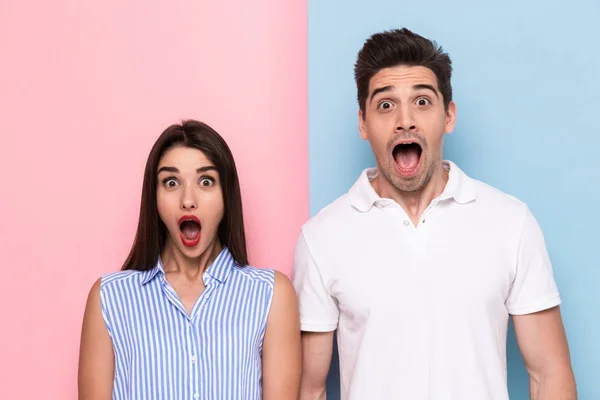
(413, 203)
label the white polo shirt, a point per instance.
(422, 312)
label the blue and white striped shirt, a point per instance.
(161, 352)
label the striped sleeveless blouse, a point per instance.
(163, 353)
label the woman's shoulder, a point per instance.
(250, 272)
(118, 278)
(270, 276)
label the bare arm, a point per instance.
(282, 352)
(317, 348)
(96, 357)
(543, 343)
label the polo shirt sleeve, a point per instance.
(318, 309)
(534, 288)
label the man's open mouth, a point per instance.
(407, 156)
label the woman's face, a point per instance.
(189, 199)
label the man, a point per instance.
(419, 266)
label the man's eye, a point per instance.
(385, 105)
(423, 101)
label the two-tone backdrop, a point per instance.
(86, 87)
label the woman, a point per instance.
(187, 318)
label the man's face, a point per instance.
(405, 121)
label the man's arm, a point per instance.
(319, 315)
(543, 343)
(317, 348)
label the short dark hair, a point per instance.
(401, 47)
(151, 231)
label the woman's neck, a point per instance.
(174, 261)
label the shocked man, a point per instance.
(419, 267)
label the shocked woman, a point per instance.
(187, 317)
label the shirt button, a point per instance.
(189, 324)
(194, 359)
(406, 222)
(196, 395)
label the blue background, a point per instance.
(527, 85)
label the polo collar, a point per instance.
(459, 187)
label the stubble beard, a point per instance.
(415, 183)
(412, 184)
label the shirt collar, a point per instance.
(151, 273)
(459, 187)
(219, 269)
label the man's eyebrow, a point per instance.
(424, 86)
(389, 88)
(383, 89)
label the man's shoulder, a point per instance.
(330, 216)
(496, 201)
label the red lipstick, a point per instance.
(189, 226)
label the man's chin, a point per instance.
(402, 183)
(408, 187)
(412, 183)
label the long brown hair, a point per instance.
(152, 232)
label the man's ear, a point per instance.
(362, 126)
(450, 118)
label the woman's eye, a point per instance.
(206, 182)
(170, 183)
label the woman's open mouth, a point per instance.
(189, 227)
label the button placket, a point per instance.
(196, 343)
(423, 228)
(192, 351)
(193, 354)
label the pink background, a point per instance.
(85, 89)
